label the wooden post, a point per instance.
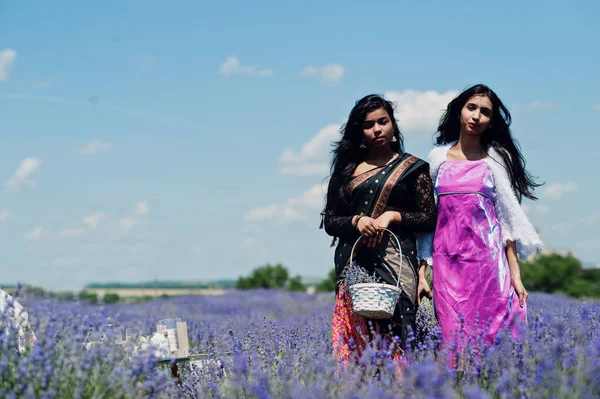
(183, 340)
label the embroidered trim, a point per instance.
(358, 180)
(389, 185)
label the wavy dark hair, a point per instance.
(347, 153)
(498, 136)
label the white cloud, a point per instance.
(4, 215)
(233, 66)
(96, 146)
(262, 213)
(418, 113)
(7, 58)
(21, 176)
(34, 234)
(142, 208)
(317, 146)
(66, 261)
(294, 209)
(330, 73)
(126, 224)
(313, 198)
(93, 220)
(536, 209)
(307, 161)
(71, 232)
(557, 190)
(305, 169)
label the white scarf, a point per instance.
(513, 220)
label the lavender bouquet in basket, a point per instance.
(356, 274)
(371, 298)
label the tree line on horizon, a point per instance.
(550, 273)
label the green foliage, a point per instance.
(327, 285)
(270, 277)
(267, 276)
(35, 291)
(223, 284)
(295, 284)
(109, 297)
(557, 273)
(88, 296)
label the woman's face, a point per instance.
(378, 129)
(476, 115)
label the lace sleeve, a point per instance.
(425, 216)
(337, 226)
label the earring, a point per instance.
(394, 139)
(363, 145)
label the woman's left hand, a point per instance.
(384, 220)
(423, 289)
(520, 290)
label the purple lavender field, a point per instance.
(276, 344)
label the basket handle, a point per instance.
(392, 273)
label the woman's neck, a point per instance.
(468, 143)
(380, 154)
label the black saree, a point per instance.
(403, 184)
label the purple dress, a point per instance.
(471, 276)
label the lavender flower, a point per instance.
(356, 274)
(266, 343)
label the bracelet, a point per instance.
(357, 219)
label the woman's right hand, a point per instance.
(370, 229)
(367, 226)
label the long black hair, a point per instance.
(347, 152)
(498, 136)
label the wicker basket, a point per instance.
(375, 300)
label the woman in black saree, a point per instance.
(375, 185)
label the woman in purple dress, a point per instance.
(480, 178)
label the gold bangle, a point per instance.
(357, 219)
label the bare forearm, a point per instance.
(513, 263)
(423, 271)
(396, 217)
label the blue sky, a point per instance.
(191, 140)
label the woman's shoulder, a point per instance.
(417, 168)
(413, 158)
(438, 154)
(439, 151)
(417, 165)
